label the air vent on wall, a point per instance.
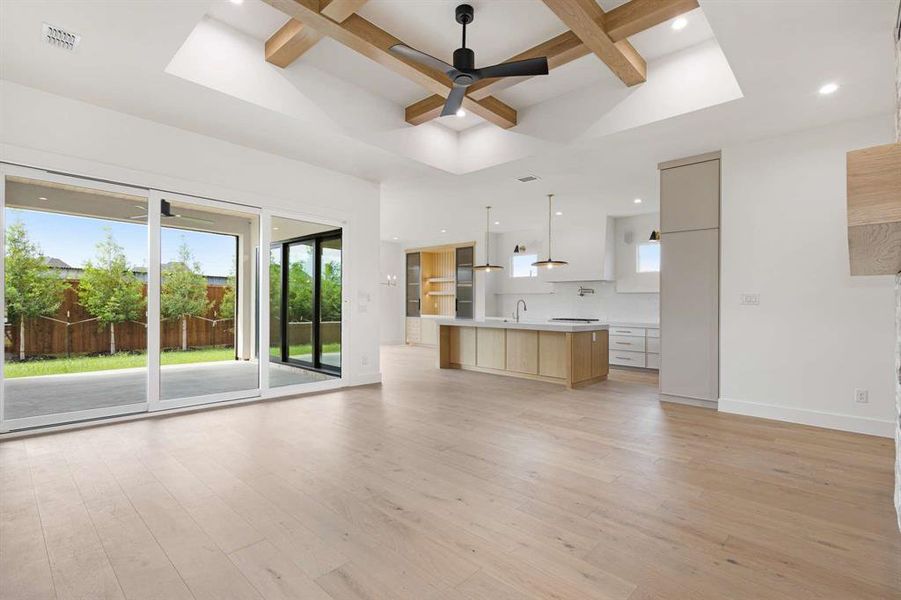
(60, 38)
(528, 178)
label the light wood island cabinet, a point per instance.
(572, 355)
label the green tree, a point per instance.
(330, 308)
(109, 290)
(183, 292)
(226, 308)
(33, 289)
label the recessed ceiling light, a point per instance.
(559, 213)
(497, 222)
(828, 88)
(637, 201)
(395, 238)
(275, 229)
(444, 231)
(237, 1)
(42, 198)
(679, 23)
(461, 113)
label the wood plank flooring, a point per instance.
(446, 484)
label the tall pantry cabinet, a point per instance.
(689, 278)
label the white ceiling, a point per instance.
(196, 64)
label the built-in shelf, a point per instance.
(440, 280)
(440, 294)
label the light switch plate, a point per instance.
(750, 299)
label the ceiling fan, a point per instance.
(166, 213)
(463, 72)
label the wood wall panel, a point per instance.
(874, 210)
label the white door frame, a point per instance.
(7, 171)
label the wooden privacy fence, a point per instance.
(44, 337)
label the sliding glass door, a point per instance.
(305, 299)
(75, 266)
(207, 330)
(120, 300)
(299, 301)
(328, 340)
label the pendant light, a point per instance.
(487, 267)
(550, 263)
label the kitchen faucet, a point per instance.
(524, 309)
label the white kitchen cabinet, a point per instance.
(429, 335)
(632, 346)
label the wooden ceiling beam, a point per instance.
(638, 15)
(290, 42)
(586, 19)
(369, 40)
(293, 39)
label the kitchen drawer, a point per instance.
(625, 342)
(653, 361)
(653, 333)
(628, 359)
(652, 345)
(635, 331)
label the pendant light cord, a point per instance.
(549, 196)
(487, 237)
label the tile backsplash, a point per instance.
(605, 304)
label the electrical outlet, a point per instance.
(861, 396)
(364, 360)
(750, 299)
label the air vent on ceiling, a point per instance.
(60, 38)
(528, 178)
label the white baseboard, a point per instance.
(804, 416)
(365, 379)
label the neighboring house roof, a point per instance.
(56, 263)
(140, 272)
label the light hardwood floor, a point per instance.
(446, 484)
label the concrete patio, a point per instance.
(57, 394)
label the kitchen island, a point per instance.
(566, 353)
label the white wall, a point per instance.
(818, 333)
(637, 228)
(47, 131)
(391, 298)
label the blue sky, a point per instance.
(72, 240)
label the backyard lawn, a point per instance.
(84, 364)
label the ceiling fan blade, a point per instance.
(422, 58)
(454, 101)
(516, 68)
(195, 219)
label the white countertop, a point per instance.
(634, 324)
(531, 325)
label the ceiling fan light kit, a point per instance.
(463, 72)
(549, 263)
(487, 267)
